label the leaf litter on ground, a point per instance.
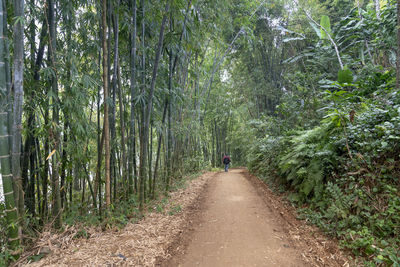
(138, 244)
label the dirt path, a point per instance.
(218, 219)
(237, 229)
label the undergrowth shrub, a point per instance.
(344, 177)
(306, 162)
(194, 164)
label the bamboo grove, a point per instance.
(104, 102)
(106, 105)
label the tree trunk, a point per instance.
(169, 132)
(5, 158)
(111, 90)
(83, 191)
(26, 156)
(29, 147)
(56, 207)
(213, 159)
(45, 175)
(30, 193)
(35, 149)
(172, 65)
(18, 39)
(106, 118)
(150, 158)
(87, 177)
(100, 143)
(64, 157)
(146, 119)
(131, 140)
(159, 148)
(6, 59)
(38, 175)
(122, 123)
(398, 47)
(64, 160)
(118, 87)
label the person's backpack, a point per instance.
(226, 160)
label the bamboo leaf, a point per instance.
(51, 154)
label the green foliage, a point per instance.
(331, 139)
(82, 233)
(121, 213)
(194, 164)
(357, 199)
(276, 102)
(317, 30)
(301, 160)
(326, 26)
(160, 205)
(175, 210)
(373, 80)
(345, 76)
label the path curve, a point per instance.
(237, 228)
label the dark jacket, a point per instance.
(226, 160)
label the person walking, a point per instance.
(226, 160)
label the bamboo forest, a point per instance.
(117, 118)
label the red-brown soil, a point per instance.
(219, 219)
